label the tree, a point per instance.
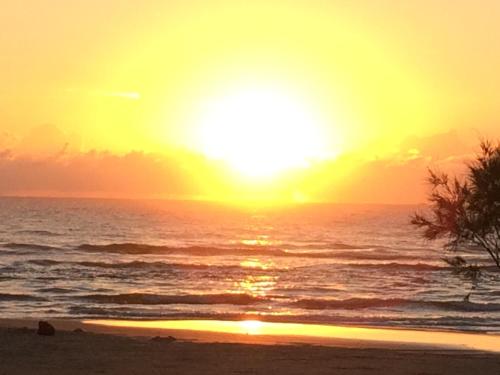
(466, 212)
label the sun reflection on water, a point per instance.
(258, 285)
(255, 263)
(252, 327)
(257, 242)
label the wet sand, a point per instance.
(125, 350)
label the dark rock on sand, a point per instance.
(45, 329)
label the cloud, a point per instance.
(441, 145)
(351, 178)
(135, 174)
(7, 140)
(398, 178)
(44, 140)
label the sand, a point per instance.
(122, 350)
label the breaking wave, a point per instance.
(364, 303)
(241, 299)
(159, 265)
(187, 299)
(135, 248)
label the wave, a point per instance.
(56, 290)
(139, 249)
(241, 299)
(43, 262)
(19, 297)
(138, 265)
(365, 303)
(158, 265)
(345, 304)
(128, 313)
(374, 255)
(135, 248)
(38, 232)
(151, 265)
(186, 299)
(384, 266)
(6, 278)
(325, 246)
(27, 246)
(400, 266)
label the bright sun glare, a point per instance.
(261, 131)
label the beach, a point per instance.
(99, 349)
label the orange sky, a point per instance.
(345, 101)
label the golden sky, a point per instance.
(344, 101)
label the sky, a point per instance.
(313, 100)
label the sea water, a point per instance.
(316, 263)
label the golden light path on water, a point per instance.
(453, 340)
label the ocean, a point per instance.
(318, 263)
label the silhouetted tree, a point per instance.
(466, 212)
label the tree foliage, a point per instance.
(466, 212)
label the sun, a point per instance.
(260, 131)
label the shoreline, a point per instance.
(132, 350)
(322, 334)
(278, 333)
